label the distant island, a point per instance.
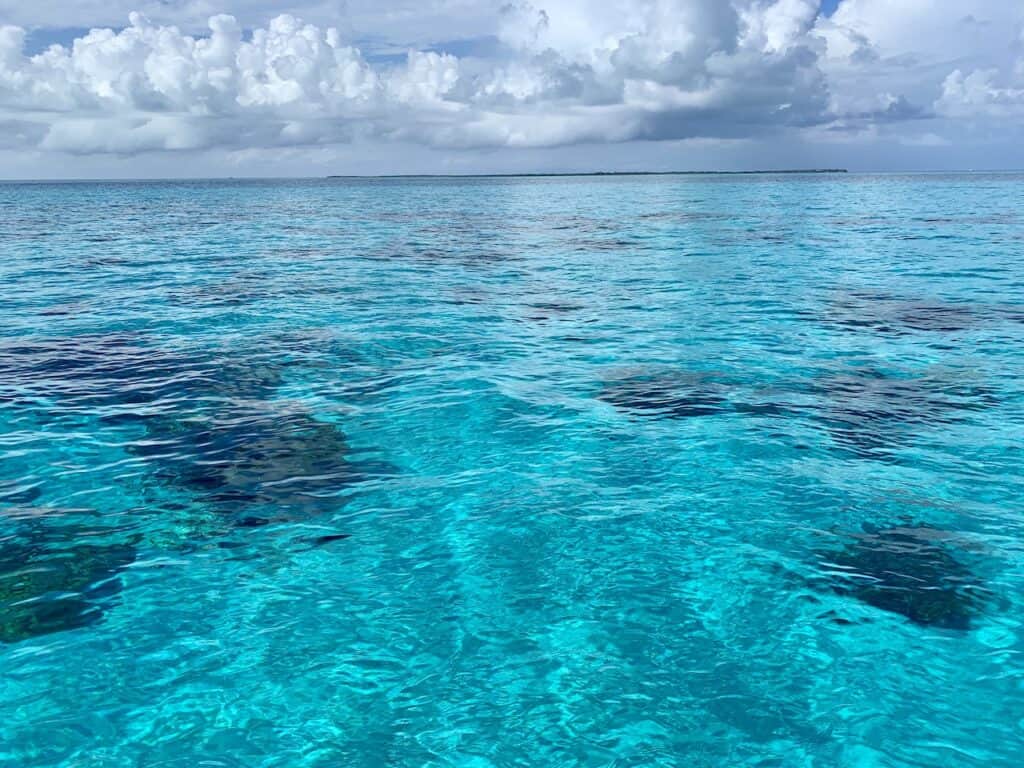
(590, 173)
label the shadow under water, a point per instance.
(56, 577)
(912, 570)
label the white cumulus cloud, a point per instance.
(557, 72)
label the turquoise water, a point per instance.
(670, 471)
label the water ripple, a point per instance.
(712, 471)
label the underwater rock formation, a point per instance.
(87, 367)
(540, 311)
(239, 457)
(233, 291)
(247, 287)
(870, 413)
(936, 318)
(125, 370)
(683, 394)
(913, 571)
(56, 577)
(676, 395)
(202, 420)
(893, 316)
(330, 538)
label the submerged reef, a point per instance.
(232, 291)
(240, 456)
(890, 315)
(56, 577)
(670, 394)
(124, 370)
(915, 571)
(550, 309)
(682, 394)
(90, 369)
(869, 413)
(205, 420)
(242, 289)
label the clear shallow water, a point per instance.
(602, 472)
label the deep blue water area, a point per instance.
(609, 471)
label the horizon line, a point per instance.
(543, 174)
(528, 174)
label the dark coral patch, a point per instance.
(57, 578)
(201, 420)
(769, 409)
(243, 456)
(125, 370)
(547, 310)
(560, 307)
(669, 395)
(894, 316)
(686, 394)
(870, 413)
(235, 290)
(936, 318)
(251, 521)
(913, 571)
(330, 538)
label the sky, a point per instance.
(177, 88)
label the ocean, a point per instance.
(598, 471)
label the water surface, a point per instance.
(678, 471)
